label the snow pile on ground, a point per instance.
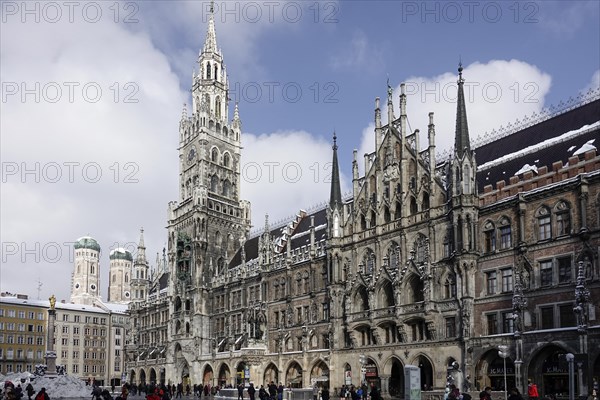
(62, 386)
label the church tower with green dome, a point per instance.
(208, 223)
(120, 266)
(85, 282)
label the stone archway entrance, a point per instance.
(550, 371)
(224, 376)
(152, 376)
(208, 376)
(426, 372)
(142, 377)
(319, 374)
(271, 374)
(490, 371)
(132, 377)
(396, 381)
(293, 375)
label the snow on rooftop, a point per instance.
(535, 147)
(589, 145)
(119, 250)
(526, 168)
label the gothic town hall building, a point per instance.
(429, 262)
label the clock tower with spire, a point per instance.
(209, 221)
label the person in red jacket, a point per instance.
(532, 390)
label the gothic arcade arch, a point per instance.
(319, 373)
(208, 375)
(224, 375)
(293, 375)
(394, 368)
(489, 371)
(549, 370)
(271, 374)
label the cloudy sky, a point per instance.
(92, 93)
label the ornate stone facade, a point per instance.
(425, 264)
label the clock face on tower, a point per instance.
(191, 155)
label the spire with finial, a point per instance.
(141, 249)
(210, 45)
(335, 198)
(390, 103)
(461, 139)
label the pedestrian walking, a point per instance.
(532, 390)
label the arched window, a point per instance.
(216, 71)
(369, 261)
(398, 210)
(413, 206)
(563, 218)
(544, 223)
(226, 160)
(363, 222)
(114, 278)
(386, 214)
(208, 70)
(394, 256)
(450, 287)
(489, 233)
(226, 188)
(214, 183)
(467, 179)
(425, 204)
(214, 155)
(218, 106)
(505, 233)
(126, 277)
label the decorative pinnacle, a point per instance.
(460, 70)
(334, 141)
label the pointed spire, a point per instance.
(141, 250)
(266, 223)
(210, 45)
(335, 198)
(390, 103)
(461, 139)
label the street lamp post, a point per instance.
(570, 358)
(503, 352)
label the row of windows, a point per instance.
(549, 317)
(552, 272)
(88, 320)
(10, 339)
(11, 326)
(86, 254)
(87, 331)
(11, 313)
(20, 354)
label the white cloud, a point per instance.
(132, 144)
(496, 93)
(594, 83)
(97, 132)
(284, 172)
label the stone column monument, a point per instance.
(50, 352)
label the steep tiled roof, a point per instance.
(299, 236)
(531, 138)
